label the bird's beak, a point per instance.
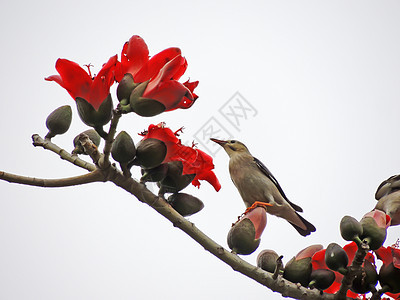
(219, 142)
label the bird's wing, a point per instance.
(271, 177)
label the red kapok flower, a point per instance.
(194, 161)
(162, 71)
(79, 83)
(318, 262)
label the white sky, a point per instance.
(323, 77)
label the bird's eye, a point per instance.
(233, 141)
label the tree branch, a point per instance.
(110, 136)
(48, 145)
(139, 190)
(280, 285)
(94, 176)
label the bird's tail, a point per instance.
(304, 232)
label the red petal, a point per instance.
(170, 93)
(181, 70)
(137, 53)
(166, 73)
(102, 83)
(73, 77)
(351, 250)
(318, 260)
(209, 177)
(154, 65)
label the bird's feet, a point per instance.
(255, 205)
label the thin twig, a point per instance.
(110, 137)
(94, 176)
(48, 145)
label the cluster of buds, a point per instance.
(315, 267)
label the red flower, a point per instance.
(389, 255)
(162, 70)
(79, 83)
(318, 262)
(194, 161)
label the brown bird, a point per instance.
(388, 196)
(258, 186)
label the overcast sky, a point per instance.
(320, 83)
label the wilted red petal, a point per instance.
(380, 217)
(309, 251)
(154, 65)
(258, 217)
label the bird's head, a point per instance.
(231, 147)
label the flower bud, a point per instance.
(267, 260)
(322, 279)
(336, 258)
(154, 174)
(58, 121)
(241, 237)
(185, 204)
(174, 181)
(123, 148)
(93, 136)
(350, 229)
(150, 153)
(144, 107)
(374, 226)
(365, 279)
(298, 271)
(125, 87)
(93, 117)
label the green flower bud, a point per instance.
(267, 260)
(93, 136)
(92, 117)
(125, 87)
(389, 276)
(365, 279)
(336, 258)
(350, 229)
(322, 279)
(185, 204)
(123, 148)
(298, 271)
(58, 121)
(154, 174)
(144, 107)
(174, 181)
(241, 237)
(374, 235)
(150, 153)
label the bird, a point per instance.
(258, 187)
(388, 196)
